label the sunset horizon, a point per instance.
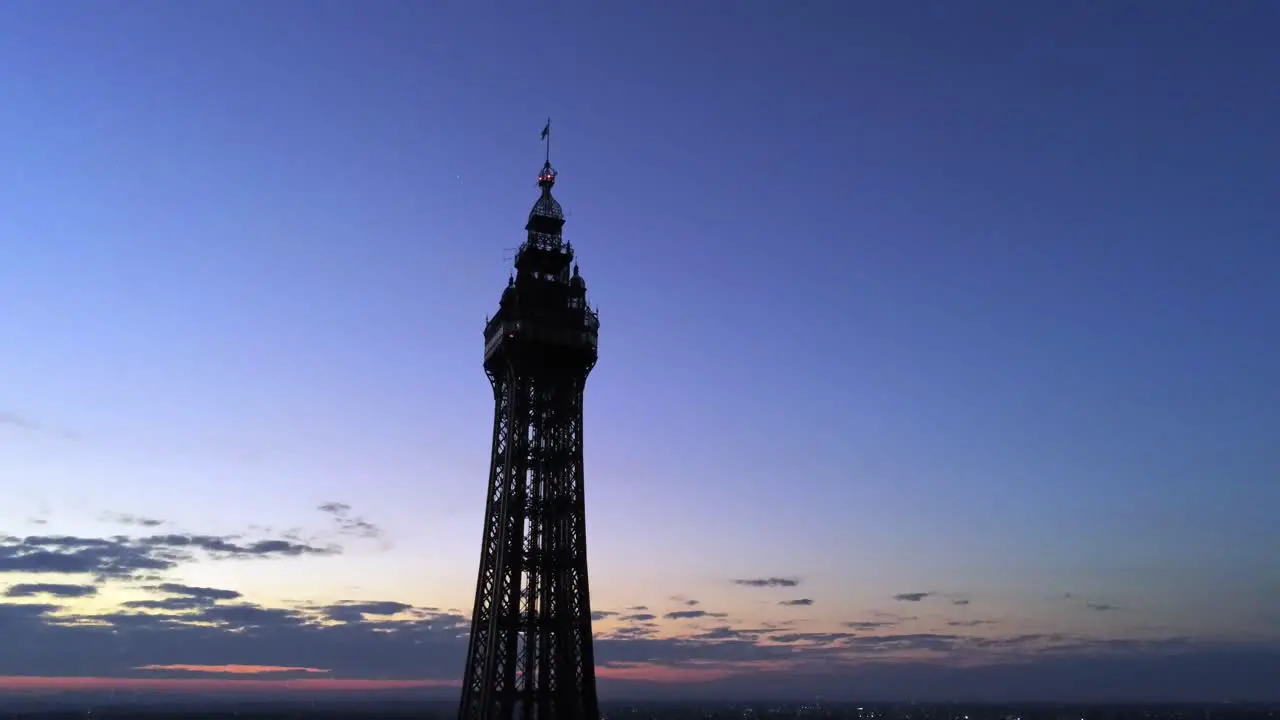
(932, 350)
(119, 588)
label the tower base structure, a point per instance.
(530, 652)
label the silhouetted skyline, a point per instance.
(934, 332)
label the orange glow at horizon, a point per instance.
(662, 674)
(233, 669)
(695, 672)
(641, 672)
(65, 684)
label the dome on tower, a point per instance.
(546, 206)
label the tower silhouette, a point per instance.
(530, 653)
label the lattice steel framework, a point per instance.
(530, 654)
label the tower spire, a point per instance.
(530, 653)
(547, 177)
(546, 137)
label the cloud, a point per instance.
(767, 582)
(633, 631)
(12, 614)
(134, 520)
(183, 597)
(725, 632)
(870, 624)
(240, 633)
(125, 557)
(1095, 605)
(692, 614)
(201, 593)
(179, 631)
(883, 621)
(229, 637)
(22, 422)
(53, 589)
(798, 601)
(349, 524)
(354, 612)
(821, 638)
(170, 603)
(912, 596)
(962, 601)
(15, 420)
(232, 669)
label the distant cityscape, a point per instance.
(60, 708)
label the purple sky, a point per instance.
(976, 300)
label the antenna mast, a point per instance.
(546, 136)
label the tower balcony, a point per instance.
(548, 337)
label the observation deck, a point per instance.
(582, 337)
(537, 335)
(544, 323)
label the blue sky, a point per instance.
(968, 299)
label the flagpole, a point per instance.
(548, 141)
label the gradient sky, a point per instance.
(957, 320)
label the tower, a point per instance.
(530, 653)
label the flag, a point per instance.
(546, 130)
